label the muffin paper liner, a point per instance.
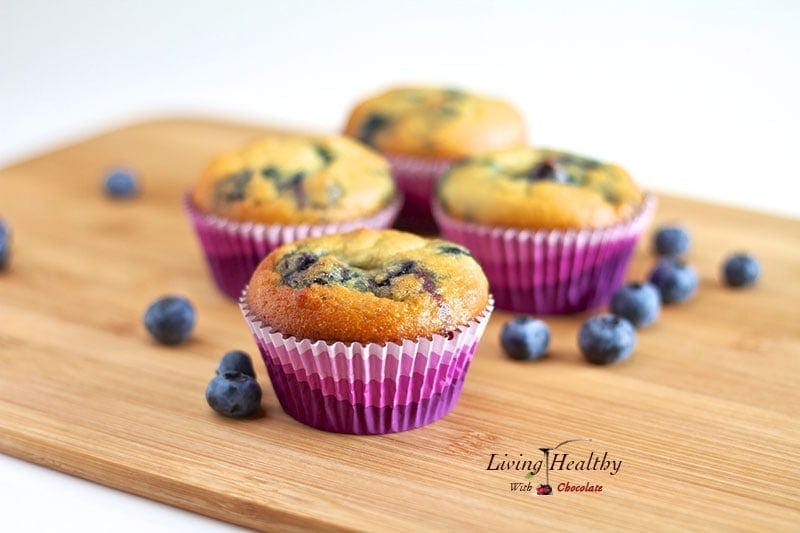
(550, 271)
(417, 178)
(368, 388)
(234, 249)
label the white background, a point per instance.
(694, 97)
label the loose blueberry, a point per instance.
(671, 241)
(606, 339)
(121, 183)
(525, 338)
(639, 303)
(236, 361)
(675, 280)
(5, 245)
(234, 394)
(740, 270)
(170, 319)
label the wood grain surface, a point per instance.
(704, 416)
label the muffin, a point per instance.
(370, 331)
(281, 188)
(423, 130)
(553, 230)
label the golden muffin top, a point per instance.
(538, 189)
(368, 286)
(435, 122)
(296, 179)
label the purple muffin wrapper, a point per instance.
(550, 271)
(417, 178)
(234, 249)
(368, 388)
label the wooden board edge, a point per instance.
(145, 484)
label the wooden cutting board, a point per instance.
(703, 417)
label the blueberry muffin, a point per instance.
(435, 122)
(538, 188)
(368, 286)
(553, 231)
(282, 188)
(368, 332)
(423, 130)
(296, 179)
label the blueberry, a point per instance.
(370, 128)
(740, 270)
(5, 245)
(295, 186)
(121, 183)
(170, 319)
(232, 188)
(324, 154)
(548, 170)
(675, 280)
(234, 394)
(396, 270)
(271, 172)
(453, 93)
(671, 241)
(611, 197)
(606, 339)
(639, 303)
(451, 249)
(383, 282)
(295, 262)
(525, 338)
(236, 361)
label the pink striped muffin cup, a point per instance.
(416, 178)
(234, 249)
(367, 389)
(550, 271)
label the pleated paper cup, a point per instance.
(550, 271)
(234, 249)
(367, 389)
(417, 177)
